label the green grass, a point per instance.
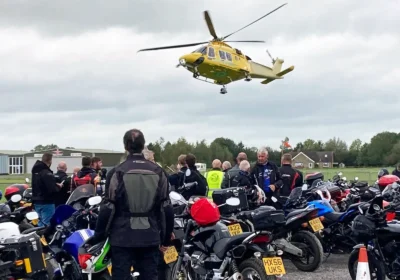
(364, 174)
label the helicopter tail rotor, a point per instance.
(273, 60)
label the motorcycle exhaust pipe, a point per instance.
(236, 276)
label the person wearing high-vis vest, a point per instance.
(214, 177)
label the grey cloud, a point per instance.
(182, 16)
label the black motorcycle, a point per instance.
(210, 252)
(379, 237)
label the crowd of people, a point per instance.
(136, 213)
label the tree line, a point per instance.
(382, 150)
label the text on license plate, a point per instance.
(235, 229)
(274, 266)
(170, 255)
(316, 224)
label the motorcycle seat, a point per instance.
(225, 244)
(334, 216)
(294, 213)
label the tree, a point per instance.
(380, 147)
(41, 148)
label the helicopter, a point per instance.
(219, 63)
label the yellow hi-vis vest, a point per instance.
(214, 180)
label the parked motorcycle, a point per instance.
(210, 252)
(380, 237)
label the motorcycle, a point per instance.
(380, 238)
(210, 252)
(9, 212)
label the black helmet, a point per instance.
(383, 172)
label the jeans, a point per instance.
(145, 262)
(45, 212)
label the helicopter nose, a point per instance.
(190, 59)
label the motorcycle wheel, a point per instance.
(169, 272)
(313, 247)
(254, 269)
(376, 267)
(73, 271)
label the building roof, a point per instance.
(316, 156)
(96, 151)
(13, 152)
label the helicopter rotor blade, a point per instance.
(254, 21)
(173, 47)
(210, 25)
(246, 41)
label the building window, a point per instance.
(310, 165)
(16, 165)
(326, 164)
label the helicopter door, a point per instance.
(211, 52)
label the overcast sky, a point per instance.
(70, 74)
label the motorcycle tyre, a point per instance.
(257, 265)
(315, 245)
(372, 261)
(73, 271)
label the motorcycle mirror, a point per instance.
(188, 172)
(94, 200)
(233, 201)
(376, 207)
(356, 179)
(304, 187)
(16, 198)
(357, 189)
(32, 216)
(273, 198)
(340, 173)
(175, 196)
(361, 211)
(344, 178)
(27, 180)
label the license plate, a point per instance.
(274, 266)
(43, 240)
(235, 229)
(316, 224)
(170, 255)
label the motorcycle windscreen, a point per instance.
(294, 195)
(62, 213)
(81, 192)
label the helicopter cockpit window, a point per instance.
(222, 55)
(211, 52)
(202, 50)
(228, 56)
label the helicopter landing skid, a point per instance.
(211, 81)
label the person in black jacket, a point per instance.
(176, 178)
(232, 172)
(396, 172)
(44, 187)
(195, 184)
(291, 178)
(266, 175)
(62, 178)
(134, 214)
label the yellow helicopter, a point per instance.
(219, 62)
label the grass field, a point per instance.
(364, 174)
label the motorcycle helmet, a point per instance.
(386, 180)
(15, 189)
(382, 172)
(205, 212)
(95, 259)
